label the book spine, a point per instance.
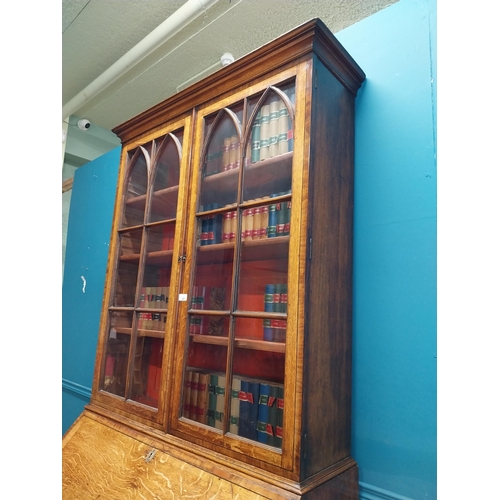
(254, 388)
(147, 299)
(193, 395)
(234, 223)
(264, 132)
(264, 221)
(243, 429)
(268, 331)
(272, 221)
(202, 399)
(276, 298)
(220, 392)
(237, 152)
(281, 331)
(225, 154)
(273, 127)
(218, 228)
(263, 413)
(232, 152)
(210, 230)
(249, 224)
(279, 424)
(158, 304)
(288, 210)
(187, 394)
(244, 218)
(156, 317)
(212, 399)
(226, 227)
(284, 299)
(283, 128)
(280, 218)
(235, 406)
(204, 231)
(275, 325)
(255, 140)
(257, 223)
(273, 415)
(269, 298)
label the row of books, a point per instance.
(267, 221)
(274, 330)
(272, 132)
(154, 297)
(271, 135)
(227, 157)
(276, 297)
(256, 406)
(152, 321)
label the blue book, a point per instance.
(249, 407)
(263, 413)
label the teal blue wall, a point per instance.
(394, 310)
(394, 323)
(89, 229)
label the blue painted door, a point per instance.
(89, 230)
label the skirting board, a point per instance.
(370, 492)
(81, 390)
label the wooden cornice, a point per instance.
(312, 37)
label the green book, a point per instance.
(281, 218)
(220, 391)
(263, 413)
(235, 406)
(212, 399)
(256, 139)
(273, 415)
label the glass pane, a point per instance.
(257, 410)
(127, 269)
(221, 162)
(166, 181)
(208, 325)
(204, 383)
(268, 152)
(146, 370)
(155, 286)
(264, 266)
(117, 352)
(259, 370)
(214, 267)
(136, 189)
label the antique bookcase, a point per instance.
(225, 344)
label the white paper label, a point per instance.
(183, 297)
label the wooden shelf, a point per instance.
(262, 249)
(163, 200)
(272, 170)
(276, 170)
(256, 345)
(158, 258)
(158, 334)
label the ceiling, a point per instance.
(98, 33)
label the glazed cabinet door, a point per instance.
(237, 350)
(147, 232)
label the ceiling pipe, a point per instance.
(172, 25)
